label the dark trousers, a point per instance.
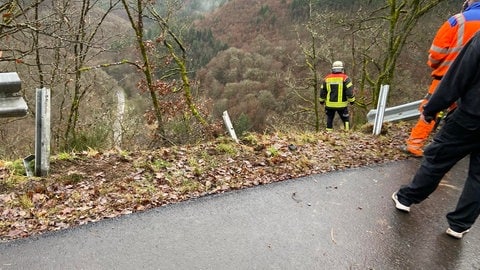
(452, 143)
(342, 112)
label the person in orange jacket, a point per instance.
(447, 43)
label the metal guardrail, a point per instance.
(12, 103)
(406, 111)
(13, 107)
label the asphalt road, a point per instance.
(340, 220)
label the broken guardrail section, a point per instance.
(404, 112)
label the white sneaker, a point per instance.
(398, 204)
(455, 234)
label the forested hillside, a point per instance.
(186, 62)
(261, 78)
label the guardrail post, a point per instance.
(382, 101)
(42, 132)
(228, 123)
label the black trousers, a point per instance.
(451, 144)
(342, 112)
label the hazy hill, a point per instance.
(237, 23)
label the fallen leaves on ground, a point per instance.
(93, 186)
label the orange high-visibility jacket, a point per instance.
(451, 37)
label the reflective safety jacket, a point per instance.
(450, 38)
(461, 84)
(336, 91)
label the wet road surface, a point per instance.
(340, 220)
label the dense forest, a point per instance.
(180, 64)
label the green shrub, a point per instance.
(97, 138)
(15, 167)
(226, 148)
(242, 125)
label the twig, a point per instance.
(333, 238)
(294, 194)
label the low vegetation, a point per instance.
(93, 185)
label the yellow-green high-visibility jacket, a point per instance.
(336, 91)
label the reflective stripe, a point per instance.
(446, 50)
(338, 82)
(461, 29)
(446, 63)
(433, 61)
(460, 18)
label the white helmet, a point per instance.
(337, 66)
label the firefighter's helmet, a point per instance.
(337, 66)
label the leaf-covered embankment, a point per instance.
(90, 186)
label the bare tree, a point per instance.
(315, 43)
(181, 61)
(311, 52)
(370, 43)
(379, 37)
(50, 42)
(136, 12)
(85, 31)
(14, 29)
(157, 54)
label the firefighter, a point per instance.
(446, 45)
(336, 92)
